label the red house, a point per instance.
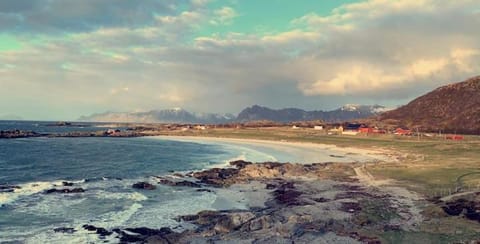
(455, 137)
(403, 132)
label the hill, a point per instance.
(454, 108)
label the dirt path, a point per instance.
(405, 201)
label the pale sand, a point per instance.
(299, 152)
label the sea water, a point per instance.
(106, 168)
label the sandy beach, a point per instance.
(298, 152)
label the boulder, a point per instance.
(144, 186)
(64, 230)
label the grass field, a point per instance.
(430, 166)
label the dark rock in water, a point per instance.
(179, 183)
(66, 190)
(144, 186)
(66, 183)
(187, 184)
(204, 190)
(100, 231)
(12, 134)
(240, 164)
(178, 175)
(147, 235)
(65, 230)
(8, 188)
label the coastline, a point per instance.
(300, 152)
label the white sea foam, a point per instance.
(25, 190)
(134, 196)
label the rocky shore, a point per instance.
(312, 203)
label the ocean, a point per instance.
(106, 168)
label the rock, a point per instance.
(178, 175)
(144, 186)
(65, 230)
(65, 183)
(230, 222)
(179, 183)
(470, 209)
(217, 176)
(100, 231)
(270, 186)
(262, 223)
(286, 194)
(66, 190)
(240, 164)
(12, 134)
(187, 184)
(204, 190)
(8, 188)
(147, 235)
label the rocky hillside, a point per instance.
(347, 112)
(451, 108)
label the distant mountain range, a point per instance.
(451, 108)
(254, 113)
(347, 112)
(176, 115)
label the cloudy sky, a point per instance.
(60, 59)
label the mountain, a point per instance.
(347, 112)
(254, 113)
(176, 115)
(453, 108)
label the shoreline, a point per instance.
(301, 152)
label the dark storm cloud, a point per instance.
(80, 15)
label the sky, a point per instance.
(60, 59)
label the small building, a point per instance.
(318, 127)
(295, 127)
(352, 129)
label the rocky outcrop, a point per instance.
(246, 171)
(8, 188)
(144, 186)
(12, 134)
(65, 191)
(184, 183)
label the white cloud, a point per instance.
(223, 16)
(363, 51)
